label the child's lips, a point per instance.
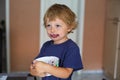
(54, 35)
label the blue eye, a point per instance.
(48, 26)
(58, 26)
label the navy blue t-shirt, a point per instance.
(68, 54)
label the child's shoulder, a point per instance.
(72, 44)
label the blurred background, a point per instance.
(98, 34)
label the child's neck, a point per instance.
(59, 42)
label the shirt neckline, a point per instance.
(60, 43)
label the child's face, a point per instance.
(57, 30)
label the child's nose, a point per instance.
(52, 29)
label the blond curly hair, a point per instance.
(62, 12)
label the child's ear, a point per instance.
(69, 29)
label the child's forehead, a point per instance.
(53, 19)
(56, 20)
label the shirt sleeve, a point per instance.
(73, 59)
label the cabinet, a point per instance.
(111, 56)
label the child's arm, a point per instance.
(56, 71)
(59, 71)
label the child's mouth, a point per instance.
(54, 35)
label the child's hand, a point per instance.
(36, 69)
(39, 65)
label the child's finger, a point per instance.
(34, 61)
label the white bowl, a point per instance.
(52, 60)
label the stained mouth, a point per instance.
(54, 35)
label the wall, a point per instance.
(24, 33)
(93, 34)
